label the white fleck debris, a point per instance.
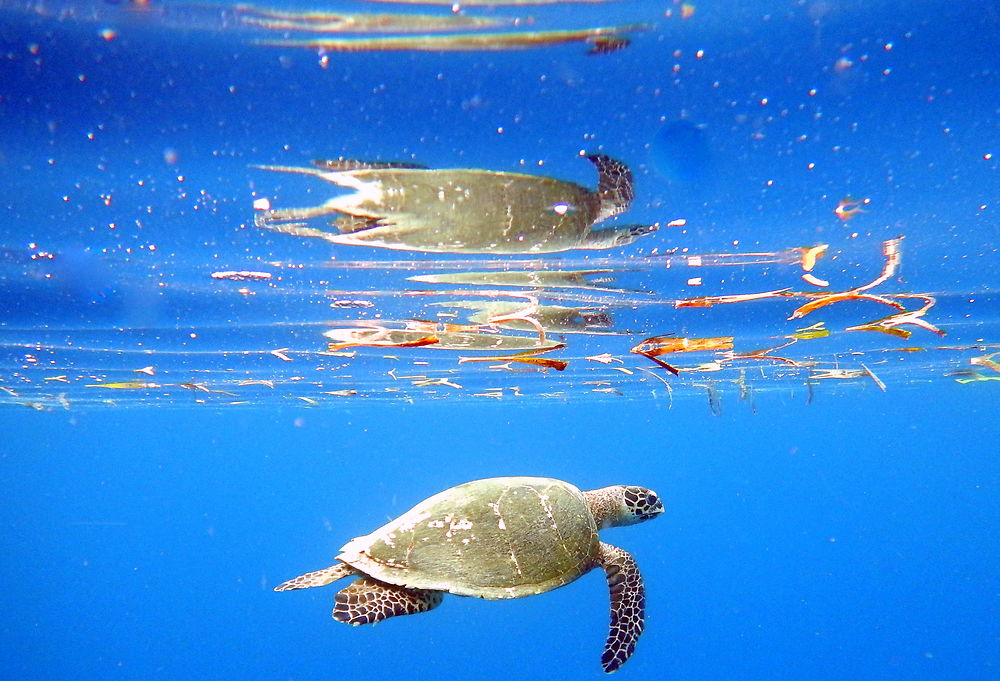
(814, 280)
(241, 275)
(605, 358)
(262, 204)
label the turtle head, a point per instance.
(623, 505)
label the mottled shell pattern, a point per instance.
(496, 538)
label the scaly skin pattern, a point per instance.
(367, 601)
(628, 606)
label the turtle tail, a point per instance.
(318, 578)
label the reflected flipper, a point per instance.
(614, 186)
(359, 230)
(292, 228)
(268, 217)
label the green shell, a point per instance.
(495, 538)
(468, 210)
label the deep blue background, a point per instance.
(851, 538)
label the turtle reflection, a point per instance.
(552, 318)
(464, 210)
(421, 334)
(543, 279)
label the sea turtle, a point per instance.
(463, 210)
(495, 538)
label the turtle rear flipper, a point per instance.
(614, 186)
(318, 577)
(367, 601)
(628, 605)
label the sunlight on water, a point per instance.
(320, 333)
(484, 283)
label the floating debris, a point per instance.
(242, 275)
(604, 358)
(652, 348)
(876, 379)
(892, 323)
(811, 255)
(544, 362)
(814, 280)
(818, 303)
(445, 340)
(126, 385)
(280, 354)
(709, 301)
(817, 330)
(986, 361)
(848, 208)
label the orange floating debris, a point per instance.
(816, 304)
(126, 385)
(892, 251)
(652, 348)
(663, 345)
(376, 343)
(557, 364)
(811, 255)
(889, 324)
(709, 301)
(849, 207)
(986, 361)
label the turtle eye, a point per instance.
(651, 500)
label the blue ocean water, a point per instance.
(829, 515)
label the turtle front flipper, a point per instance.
(628, 605)
(318, 577)
(367, 601)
